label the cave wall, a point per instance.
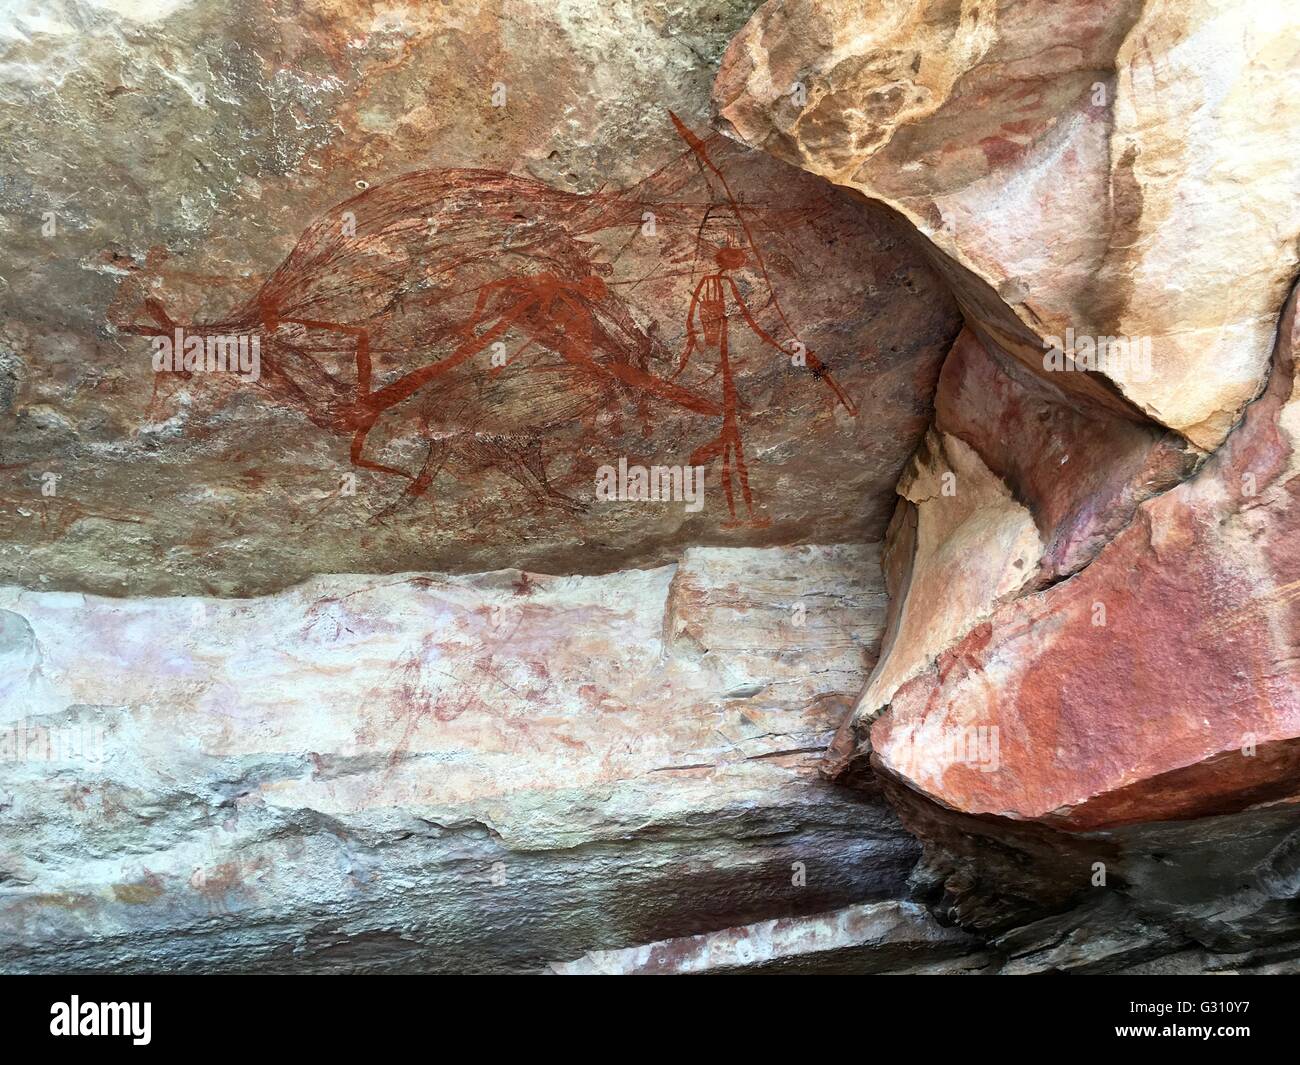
(963, 642)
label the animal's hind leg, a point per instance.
(522, 461)
(358, 443)
(434, 459)
(429, 469)
(531, 459)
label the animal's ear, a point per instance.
(158, 314)
(161, 326)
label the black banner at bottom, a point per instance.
(139, 1014)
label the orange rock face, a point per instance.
(1159, 682)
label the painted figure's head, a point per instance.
(729, 258)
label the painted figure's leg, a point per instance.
(358, 460)
(434, 459)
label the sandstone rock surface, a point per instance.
(225, 155)
(1088, 172)
(1043, 484)
(1157, 683)
(416, 773)
(1118, 169)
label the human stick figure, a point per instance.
(709, 309)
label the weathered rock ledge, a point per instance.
(424, 773)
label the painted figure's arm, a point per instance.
(815, 366)
(691, 338)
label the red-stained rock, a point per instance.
(1075, 637)
(1080, 470)
(1159, 682)
(1017, 486)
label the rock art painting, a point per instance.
(620, 487)
(432, 369)
(420, 298)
